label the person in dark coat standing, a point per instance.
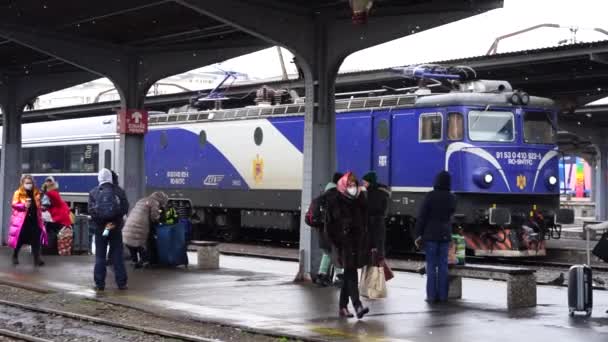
(434, 230)
(323, 278)
(347, 232)
(378, 196)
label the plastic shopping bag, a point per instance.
(372, 284)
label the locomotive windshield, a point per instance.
(491, 126)
(538, 128)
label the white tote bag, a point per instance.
(372, 284)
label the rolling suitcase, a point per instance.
(171, 245)
(580, 289)
(81, 239)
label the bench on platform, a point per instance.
(208, 254)
(521, 282)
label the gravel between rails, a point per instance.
(117, 313)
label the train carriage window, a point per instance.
(455, 126)
(491, 126)
(538, 128)
(61, 159)
(431, 127)
(107, 159)
(82, 158)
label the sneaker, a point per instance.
(99, 288)
(123, 288)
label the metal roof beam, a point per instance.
(94, 56)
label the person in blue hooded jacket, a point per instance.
(434, 231)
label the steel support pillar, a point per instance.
(319, 149)
(600, 186)
(10, 167)
(132, 168)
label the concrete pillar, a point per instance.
(131, 159)
(601, 183)
(10, 162)
(319, 144)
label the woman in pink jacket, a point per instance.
(27, 227)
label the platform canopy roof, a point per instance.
(173, 25)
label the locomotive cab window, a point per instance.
(492, 126)
(431, 127)
(538, 128)
(455, 126)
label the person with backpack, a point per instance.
(434, 233)
(107, 206)
(317, 219)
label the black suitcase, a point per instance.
(580, 289)
(82, 235)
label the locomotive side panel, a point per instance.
(353, 142)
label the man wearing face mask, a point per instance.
(347, 232)
(27, 227)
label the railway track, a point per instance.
(18, 320)
(21, 337)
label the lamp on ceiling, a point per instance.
(360, 9)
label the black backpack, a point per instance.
(315, 216)
(107, 204)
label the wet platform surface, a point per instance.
(260, 294)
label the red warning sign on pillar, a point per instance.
(132, 121)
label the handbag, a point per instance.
(372, 284)
(601, 248)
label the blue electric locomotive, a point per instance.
(243, 167)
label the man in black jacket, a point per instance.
(434, 227)
(378, 197)
(100, 205)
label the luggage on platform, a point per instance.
(171, 245)
(81, 242)
(580, 289)
(65, 238)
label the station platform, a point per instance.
(259, 295)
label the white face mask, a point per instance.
(28, 186)
(352, 190)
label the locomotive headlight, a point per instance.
(552, 180)
(483, 177)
